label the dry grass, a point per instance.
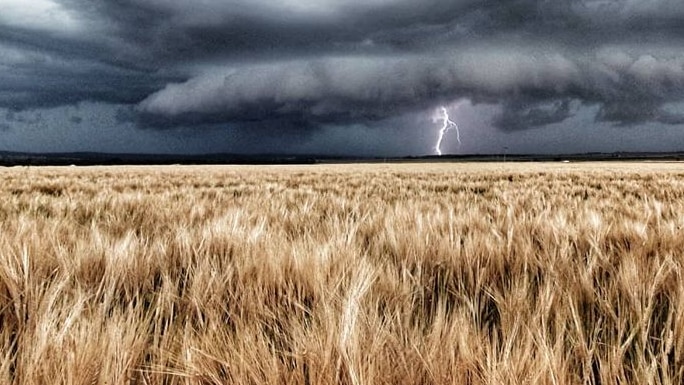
(385, 274)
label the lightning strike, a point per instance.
(447, 125)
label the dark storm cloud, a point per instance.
(518, 114)
(166, 32)
(353, 87)
(525, 80)
(295, 63)
(14, 117)
(35, 77)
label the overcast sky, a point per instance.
(360, 77)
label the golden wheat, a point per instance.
(356, 274)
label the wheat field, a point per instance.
(343, 274)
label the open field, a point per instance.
(346, 274)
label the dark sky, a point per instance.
(341, 76)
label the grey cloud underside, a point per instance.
(304, 64)
(47, 71)
(630, 88)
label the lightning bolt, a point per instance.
(447, 125)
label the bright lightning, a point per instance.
(447, 125)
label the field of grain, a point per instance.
(347, 274)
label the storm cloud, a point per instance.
(303, 65)
(630, 89)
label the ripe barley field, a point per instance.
(343, 274)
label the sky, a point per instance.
(341, 77)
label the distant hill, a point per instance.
(106, 159)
